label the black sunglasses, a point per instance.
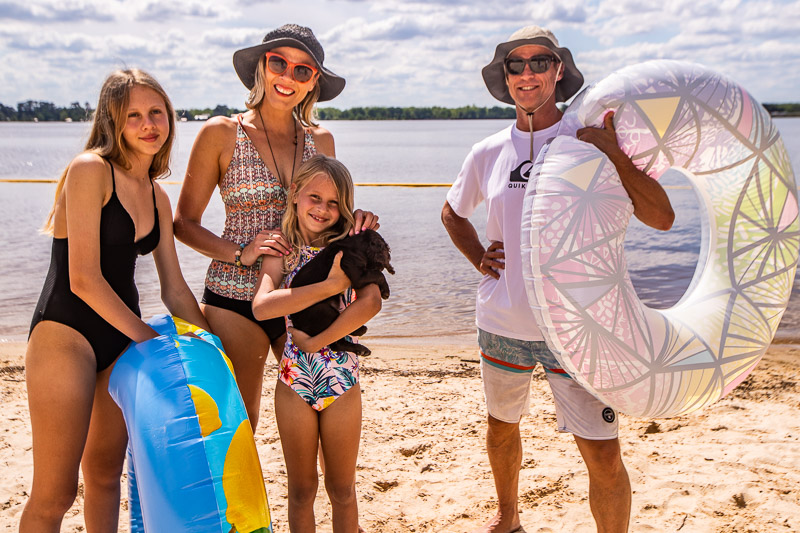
(537, 64)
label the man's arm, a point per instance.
(464, 236)
(651, 204)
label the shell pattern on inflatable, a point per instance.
(193, 464)
(642, 361)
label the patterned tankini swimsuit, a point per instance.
(319, 378)
(254, 201)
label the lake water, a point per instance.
(433, 292)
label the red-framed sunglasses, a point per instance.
(301, 72)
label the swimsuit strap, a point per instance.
(153, 188)
(114, 184)
(113, 179)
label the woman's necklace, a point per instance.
(275, 161)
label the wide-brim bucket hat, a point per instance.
(494, 74)
(246, 60)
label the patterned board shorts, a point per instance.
(506, 368)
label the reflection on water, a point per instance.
(661, 264)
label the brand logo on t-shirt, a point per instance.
(519, 176)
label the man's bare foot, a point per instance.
(501, 524)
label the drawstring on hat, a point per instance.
(530, 113)
(530, 129)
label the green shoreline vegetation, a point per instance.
(35, 111)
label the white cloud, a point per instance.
(392, 53)
(233, 38)
(159, 10)
(570, 11)
(71, 11)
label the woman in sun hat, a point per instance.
(252, 158)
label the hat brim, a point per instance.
(494, 74)
(246, 60)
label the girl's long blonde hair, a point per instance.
(340, 176)
(105, 137)
(304, 111)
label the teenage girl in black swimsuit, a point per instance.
(108, 209)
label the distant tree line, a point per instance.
(783, 110)
(32, 110)
(47, 111)
(205, 114)
(415, 113)
(374, 113)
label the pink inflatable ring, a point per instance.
(642, 361)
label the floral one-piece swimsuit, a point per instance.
(318, 378)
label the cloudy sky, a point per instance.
(391, 52)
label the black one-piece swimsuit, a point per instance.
(118, 252)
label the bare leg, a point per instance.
(103, 459)
(277, 347)
(504, 447)
(247, 346)
(299, 431)
(340, 433)
(60, 373)
(609, 486)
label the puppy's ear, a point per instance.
(380, 254)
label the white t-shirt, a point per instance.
(497, 170)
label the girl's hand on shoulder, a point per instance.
(364, 220)
(302, 340)
(267, 242)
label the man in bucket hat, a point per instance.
(532, 72)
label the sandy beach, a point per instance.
(733, 467)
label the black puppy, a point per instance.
(365, 257)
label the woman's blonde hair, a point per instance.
(340, 176)
(304, 111)
(105, 137)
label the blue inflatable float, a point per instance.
(192, 461)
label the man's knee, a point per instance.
(602, 457)
(499, 433)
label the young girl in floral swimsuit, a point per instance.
(317, 397)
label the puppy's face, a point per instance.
(378, 253)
